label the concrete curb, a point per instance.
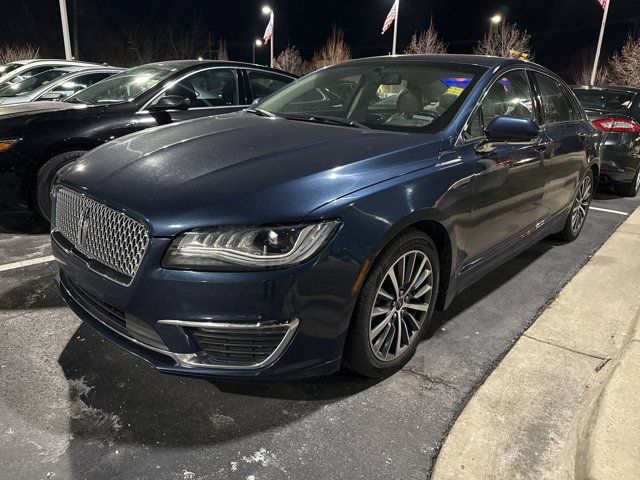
(551, 409)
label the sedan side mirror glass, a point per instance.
(170, 102)
(53, 96)
(507, 128)
(256, 101)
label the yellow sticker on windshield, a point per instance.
(457, 91)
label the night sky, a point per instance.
(564, 31)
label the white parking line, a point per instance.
(26, 263)
(609, 211)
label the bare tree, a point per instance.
(185, 41)
(334, 51)
(505, 40)
(426, 42)
(290, 61)
(11, 53)
(624, 67)
(222, 53)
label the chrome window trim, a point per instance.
(143, 109)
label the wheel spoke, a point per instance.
(388, 340)
(384, 294)
(398, 335)
(416, 274)
(394, 282)
(377, 311)
(409, 271)
(401, 269)
(417, 306)
(415, 323)
(405, 331)
(381, 326)
(422, 291)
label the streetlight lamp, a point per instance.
(266, 10)
(257, 43)
(496, 19)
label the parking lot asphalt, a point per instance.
(74, 406)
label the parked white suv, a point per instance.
(22, 69)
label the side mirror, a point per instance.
(507, 128)
(52, 96)
(170, 102)
(256, 101)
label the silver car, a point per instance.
(54, 84)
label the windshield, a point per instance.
(31, 83)
(402, 96)
(604, 99)
(9, 67)
(124, 86)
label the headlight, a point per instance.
(249, 248)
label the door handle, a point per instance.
(542, 146)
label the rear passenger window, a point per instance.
(555, 107)
(264, 84)
(510, 95)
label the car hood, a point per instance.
(19, 109)
(242, 169)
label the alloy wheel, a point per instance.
(581, 203)
(401, 305)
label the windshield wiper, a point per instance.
(327, 120)
(260, 112)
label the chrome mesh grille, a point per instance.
(100, 233)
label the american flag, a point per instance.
(268, 33)
(603, 3)
(393, 13)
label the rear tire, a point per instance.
(375, 348)
(579, 209)
(629, 189)
(45, 177)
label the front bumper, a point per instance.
(168, 314)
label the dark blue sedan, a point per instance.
(323, 226)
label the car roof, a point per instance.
(186, 64)
(85, 68)
(610, 88)
(480, 60)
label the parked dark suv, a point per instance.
(39, 139)
(287, 239)
(616, 112)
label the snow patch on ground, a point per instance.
(262, 457)
(89, 418)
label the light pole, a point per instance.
(65, 30)
(257, 43)
(269, 38)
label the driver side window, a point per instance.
(208, 88)
(510, 95)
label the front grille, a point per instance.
(101, 233)
(240, 345)
(111, 316)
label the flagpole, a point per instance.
(65, 30)
(599, 47)
(273, 34)
(395, 27)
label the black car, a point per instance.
(616, 111)
(39, 139)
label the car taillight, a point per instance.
(617, 125)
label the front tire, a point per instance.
(46, 176)
(579, 209)
(394, 307)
